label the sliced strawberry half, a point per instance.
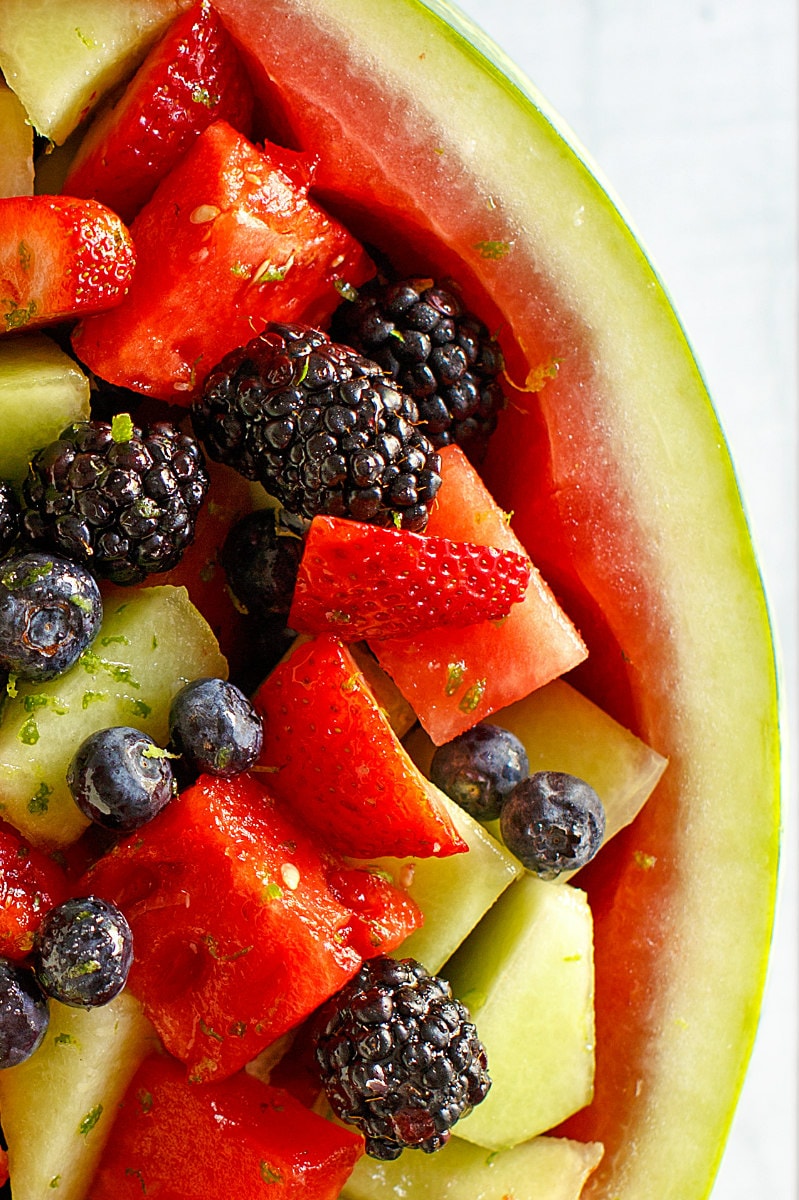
(60, 258)
(335, 762)
(228, 242)
(192, 77)
(366, 581)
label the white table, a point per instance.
(689, 107)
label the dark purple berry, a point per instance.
(553, 822)
(50, 612)
(120, 779)
(24, 1013)
(214, 728)
(83, 951)
(10, 520)
(261, 559)
(479, 768)
(400, 1058)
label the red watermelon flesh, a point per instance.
(453, 678)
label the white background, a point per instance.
(689, 107)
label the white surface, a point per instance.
(689, 107)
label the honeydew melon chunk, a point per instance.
(16, 138)
(62, 56)
(152, 641)
(526, 974)
(42, 390)
(58, 1106)
(561, 730)
(453, 892)
(545, 1168)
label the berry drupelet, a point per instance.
(50, 612)
(439, 354)
(119, 498)
(553, 822)
(10, 520)
(400, 1058)
(322, 428)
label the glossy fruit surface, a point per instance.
(623, 492)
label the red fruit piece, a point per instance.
(240, 1138)
(192, 77)
(228, 242)
(335, 761)
(453, 678)
(30, 884)
(60, 258)
(365, 581)
(242, 924)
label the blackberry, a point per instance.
(119, 498)
(261, 563)
(214, 728)
(553, 822)
(440, 354)
(479, 768)
(400, 1057)
(9, 517)
(322, 428)
(24, 1013)
(50, 612)
(120, 779)
(83, 951)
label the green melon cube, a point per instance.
(453, 892)
(16, 138)
(58, 1107)
(42, 390)
(563, 731)
(527, 976)
(152, 641)
(545, 1168)
(62, 56)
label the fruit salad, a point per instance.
(370, 779)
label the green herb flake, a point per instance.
(55, 1182)
(17, 316)
(270, 1174)
(139, 708)
(121, 428)
(24, 255)
(272, 891)
(135, 1173)
(240, 270)
(155, 641)
(12, 580)
(153, 751)
(90, 1120)
(90, 698)
(88, 42)
(29, 733)
(145, 1100)
(210, 1032)
(201, 95)
(473, 696)
(270, 272)
(455, 675)
(346, 290)
(115, 639)
(11, 686)
(492, 250)
(66, 1039)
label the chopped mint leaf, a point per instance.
(121, 427)
(90, 1120)
(492, 250)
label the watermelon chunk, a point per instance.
(454, 678)
(337, 764)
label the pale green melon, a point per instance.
(453, 892)
(62, 56)
(152, 641)
(16, 139)
(58, 1106)
(546, 1168)
(42, 390)
(527, 977)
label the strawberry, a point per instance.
(228, 242)
(60, 258)
(192, 77)
(367, 581)
(335, 762)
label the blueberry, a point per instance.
(261, 559)
(120, 779)
(553, 822)
(50, 612)
(83, 950)
(214, 728)
(479, 768)
(24, 1013)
